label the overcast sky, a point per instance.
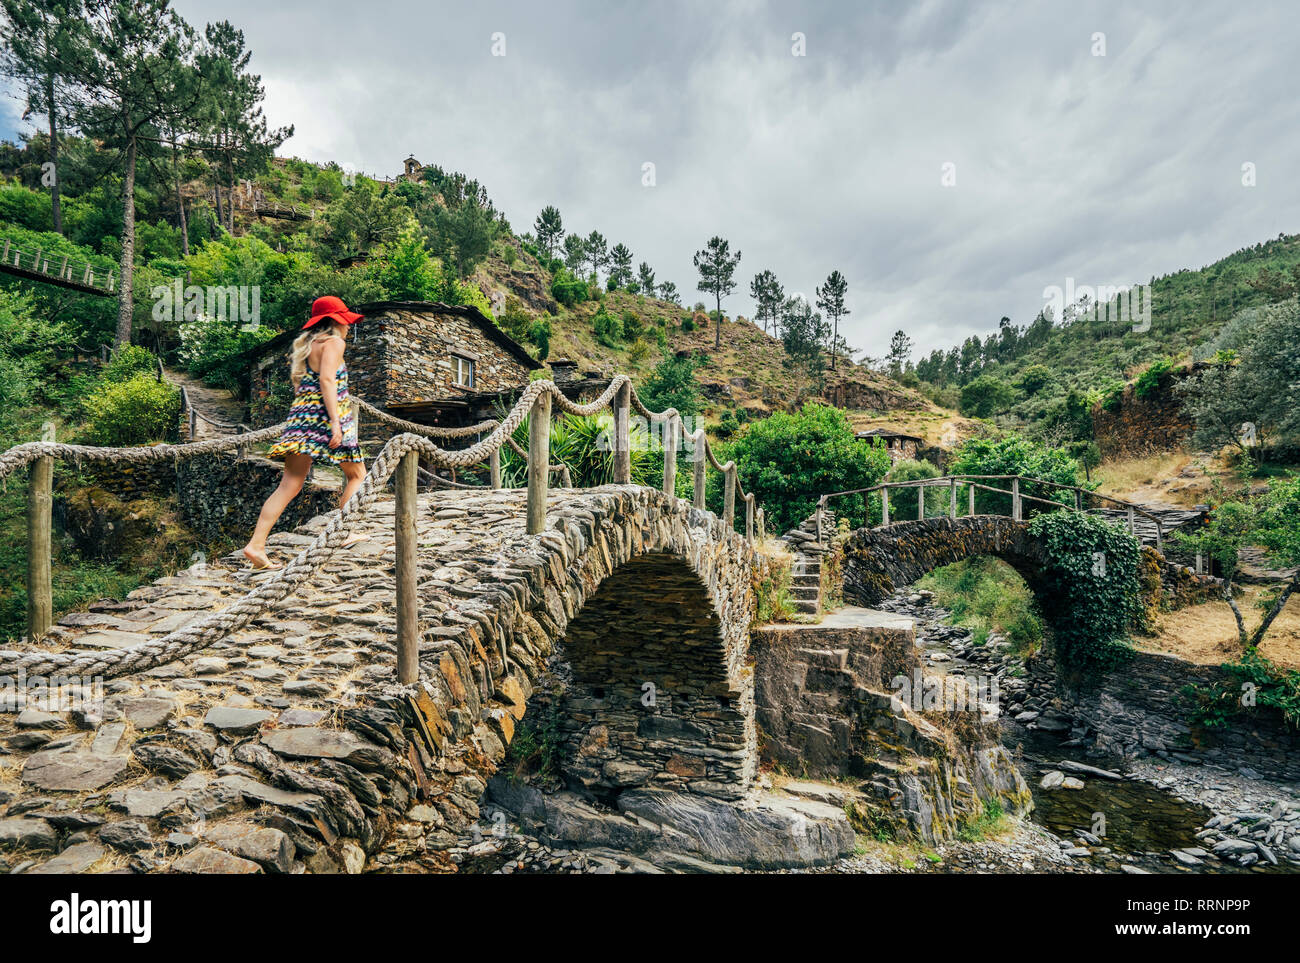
(1068, 164)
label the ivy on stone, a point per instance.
(1091, 592)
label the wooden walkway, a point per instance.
(56, 269)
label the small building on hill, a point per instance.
(900, 446)
(437, 364)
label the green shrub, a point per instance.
(632, 326)
(688, 322)
(568, 290)
(902, 501)
(1150, 381)
(1015, 455)
(132, 412)
(608, 328)
(128, 361)
(788, 460)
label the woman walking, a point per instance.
(321, 426)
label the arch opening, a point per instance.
(647, 693)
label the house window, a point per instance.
(463, 371)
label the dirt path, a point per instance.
(211, 404)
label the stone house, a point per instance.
(900, 446)
(437, 364)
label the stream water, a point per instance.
(1120, 821)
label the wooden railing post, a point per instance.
(1132, 521)
(670, 456)
(1160, 537)
(729, 496)
(762, 523)
(920, 502)
(970, 494)
(539, 457)
(494, 467)
(952, 500)
(1015, 499)
(749, 517)
(40, 599)
(884, 505)
(622, 434)
(699, 479)
(408, 603)
(1078, 502)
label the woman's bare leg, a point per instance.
(296, 467)
(354, 473)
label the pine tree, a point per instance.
(717, 267)
(768, 294)
(37, 39)
(830, 298)
(550, 228)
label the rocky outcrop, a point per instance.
(1132, 426)
(1149, 708)
(828, 709)
(764, 830)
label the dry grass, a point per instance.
(1170, 477)
(1207, 633)
(938, 426)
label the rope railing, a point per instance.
(1018, 498)
(399, 460)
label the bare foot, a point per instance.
(353, 539)
(259, 560)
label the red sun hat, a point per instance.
(332, 308)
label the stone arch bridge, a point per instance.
(880, 560)
(290, 740)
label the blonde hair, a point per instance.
(302, 347)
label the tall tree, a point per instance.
(550, 228)
(596, 252)
(830, 298)
(39, 42)
(717, 267)
(575, 253)
(241, 144)
(620, 266)
(131, 76)
(668, 292)
(803, 333)
(900, 353)
(768, 294)
(646, 278)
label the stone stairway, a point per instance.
(806, 570)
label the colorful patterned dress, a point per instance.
(308, 430)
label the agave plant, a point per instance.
(586, 445)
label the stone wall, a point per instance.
(652, 697)
(824, 711)
(1144, 708)
(403, 354)
(221, 495)
(1142, 426)
(128, 482)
